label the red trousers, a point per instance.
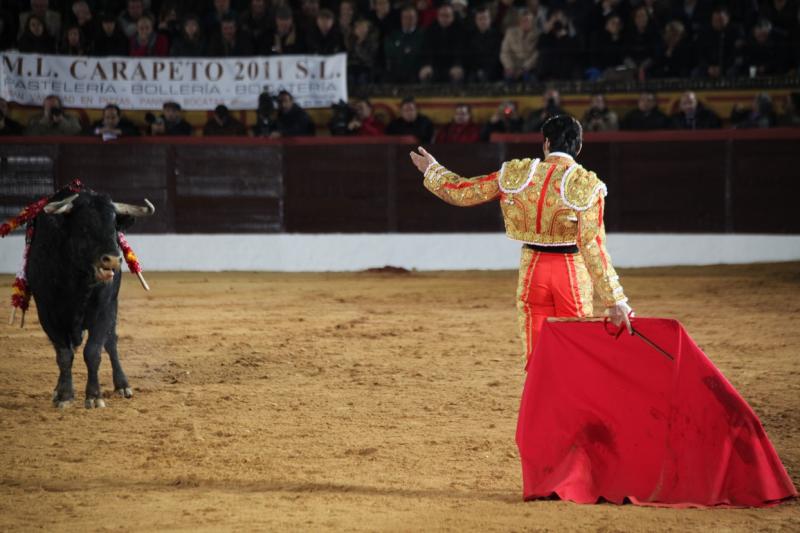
(550, 284)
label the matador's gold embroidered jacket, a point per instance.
(555, 202)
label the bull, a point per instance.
(74, 274)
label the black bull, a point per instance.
(74, 275)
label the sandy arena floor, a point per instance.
(356, 402)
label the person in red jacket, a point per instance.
(146, 42)
(461, 129)
(365, 123)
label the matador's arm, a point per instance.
(460, 191)
(592, 244)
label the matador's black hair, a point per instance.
(564, 133)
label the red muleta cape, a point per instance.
(613, 419)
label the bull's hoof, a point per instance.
(126, 392)
(63, 404)
(92, 403)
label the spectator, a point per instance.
(761, 115)
(791, 111)
(505, 15)
(365, 123)
(50, 19)
(35, 38)
(641, 40)
(674, 57)
(384, 19)
(427, 11)
(307, 20)
(168, 24)
(519, 53)
(258, 21)
(505, 120)
(347, 14)
(221, 10)
(84, 19)
(559, 48)
(608, 48)
(222, 123)
(110, 41)
(461, 129)
(190, 42)
(74, 42)
(287, 38)
(411, 122)
(229, 41)
(601, 12)
(460, 10)
(127, 20)
(483, 48)
(599, 117)
(362, 54)
(113, 125)
(784, 15)
(646, 116)
(293, 121)
(171, 122)
(8, 126)
(692, 115)
(403, 49)
(694, 15)
(552, 107)
(324, 38)
(442, 48)
(146, 42)
(265, 124)
(720, 46)
(52, 120)
(766, 52)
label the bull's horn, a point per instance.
(60, 207)
(135, 210)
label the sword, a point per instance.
(652, 344)
(634, 331)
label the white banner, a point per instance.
(195, 83)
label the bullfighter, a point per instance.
(554, 207)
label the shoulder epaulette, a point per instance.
(579, 187)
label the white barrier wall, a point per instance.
(443, 251)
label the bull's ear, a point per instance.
(124, 222)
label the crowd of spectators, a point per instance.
(433, 40)
(281, 116)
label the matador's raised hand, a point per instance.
(423, 161)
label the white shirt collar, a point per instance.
(560, 154)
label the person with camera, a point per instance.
(223, 124)
(113, 125)
(265, 124)
(552, 108)
(506, 119)
(52, 120)
(170, 123)
(599, 117)
(364, 121)
(8, 126)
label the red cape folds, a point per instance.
(613, 419)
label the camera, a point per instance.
(342, 115)
(151, 119)
(56, 112)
